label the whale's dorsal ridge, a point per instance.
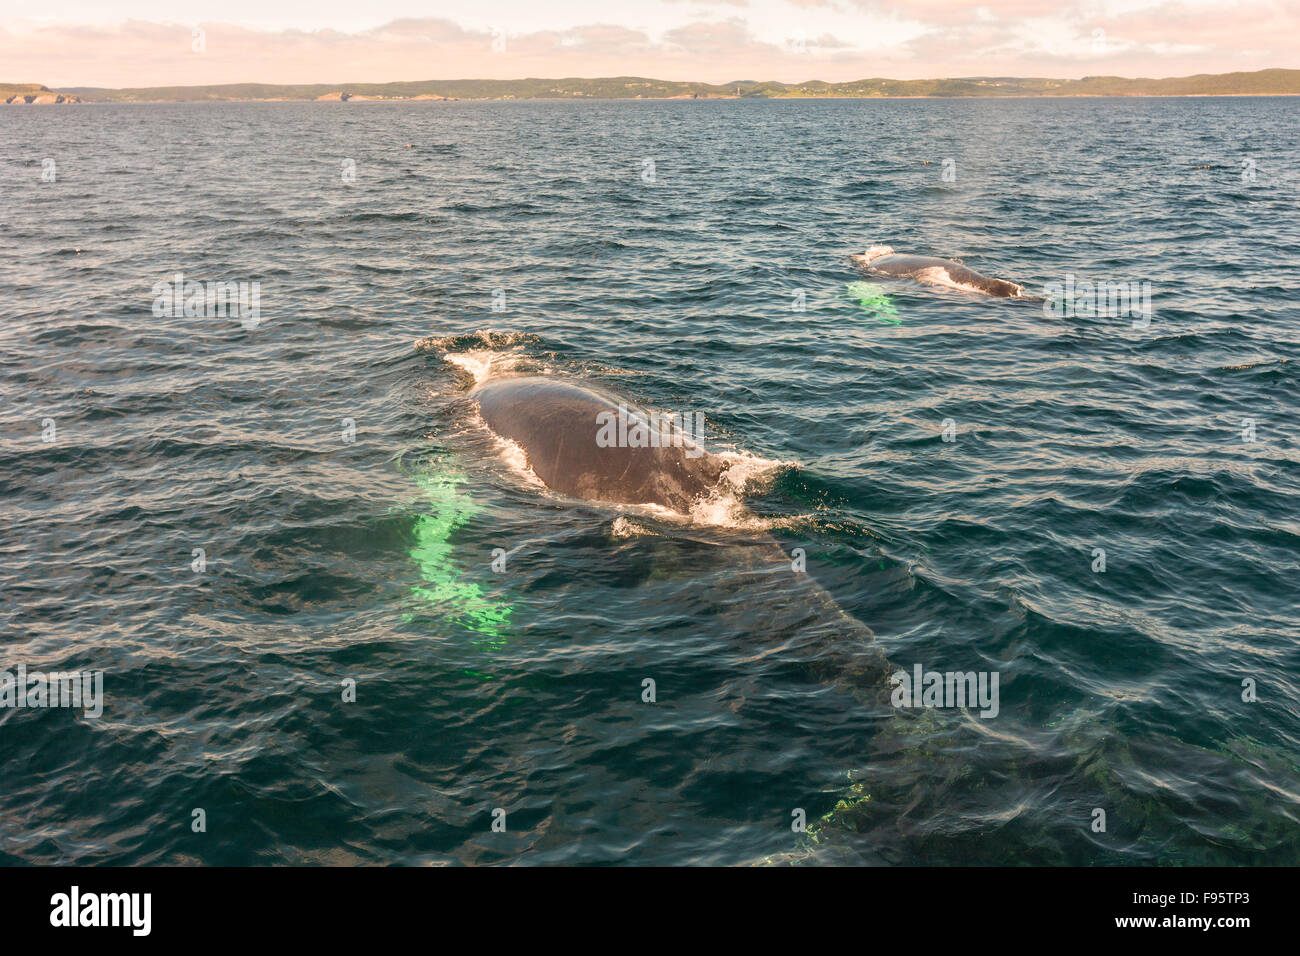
(933, 270)
(558, 425)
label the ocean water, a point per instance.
(244, 524)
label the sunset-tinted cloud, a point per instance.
(713, 40)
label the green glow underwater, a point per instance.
(873, 299)
(445, 587)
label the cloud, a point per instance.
(946, 12)
(711, 39)
(1259, 24)
(789, 40)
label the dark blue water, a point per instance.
(369, 560)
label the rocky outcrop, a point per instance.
(23, 99)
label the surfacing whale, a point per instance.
(555, 423)
(936, 271)
(559, 425)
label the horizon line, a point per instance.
(699, 83)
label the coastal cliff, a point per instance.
(25, 94)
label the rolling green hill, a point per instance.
(1262, 82)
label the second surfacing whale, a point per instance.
(939, 272)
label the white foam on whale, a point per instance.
(480, 364)
(724, 508)
(510, 453)
(744, 467)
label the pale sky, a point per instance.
(150, 42)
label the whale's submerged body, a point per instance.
(936, 271)
(559, 426)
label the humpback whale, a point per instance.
(555, 423)
(722, 577)
(936, 271)
(558, 425)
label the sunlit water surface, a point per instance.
(660, 250)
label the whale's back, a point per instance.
(943, 272)
(557, 424)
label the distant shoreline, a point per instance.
(1269, 82)
(684, 99)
